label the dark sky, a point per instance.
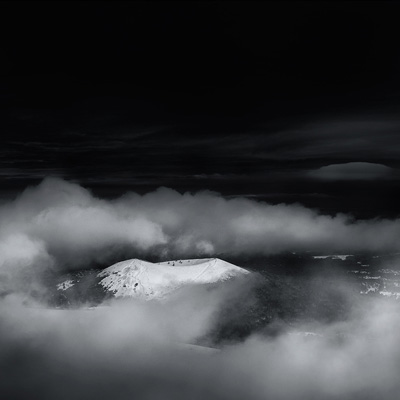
(280, 101)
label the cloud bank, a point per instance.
(140, 349)
(61, 224)
(133, 349)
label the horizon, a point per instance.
(292, 102)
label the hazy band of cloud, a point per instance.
(138, 349)
(61, 223)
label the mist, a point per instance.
(62, 223)
(147, 350)
(58, 226)
(168, 350)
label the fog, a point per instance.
(59, 223)
(132, 349)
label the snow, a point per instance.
(342, 257)
(390, 294)
(389, 271)
(372, 277)
(146, 280)
(65, 285)
(306, 334)
(374, 288)
(356, 271)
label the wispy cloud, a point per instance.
(353, 171)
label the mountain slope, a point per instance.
(142, 279)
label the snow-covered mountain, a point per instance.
(280, 291)
(146, 280)
(142, 279)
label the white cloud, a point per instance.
(61, 223)
(136, 349)
(133, 348)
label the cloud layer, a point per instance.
(133, 349)
(60, 224)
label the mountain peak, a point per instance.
(146, 280)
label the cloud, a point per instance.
(137, 349)
(120, 349)
(59, 224)
(353, 171)
(126, 349)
